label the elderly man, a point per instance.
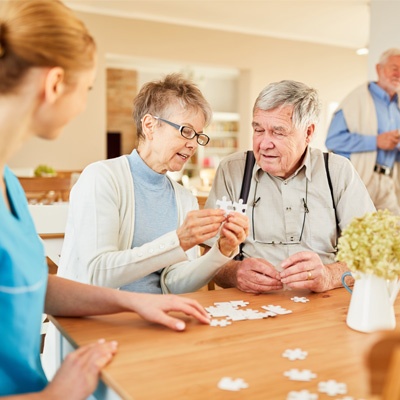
(365, 129)
(295, 216)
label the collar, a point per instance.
(143, 173)
(306, 164)
(381, 94)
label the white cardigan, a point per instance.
(100, 228)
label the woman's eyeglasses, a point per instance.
(187, 132)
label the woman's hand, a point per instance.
(199, 226)
(78, 375)
(155, 308)
(233, 232)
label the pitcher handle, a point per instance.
(346, 274)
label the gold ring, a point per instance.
(309, 275)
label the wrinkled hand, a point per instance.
(155, 308)
(79, 373)
(305, 270)
(255, 275)
(233, 232)
(388, 140)
(199, 226)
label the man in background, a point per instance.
(365, 129)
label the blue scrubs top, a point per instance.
(23, 283)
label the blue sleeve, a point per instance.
(341, 141)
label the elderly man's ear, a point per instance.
(309, 133)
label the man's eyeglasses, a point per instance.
(291, 242)
(187, 132)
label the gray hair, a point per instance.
(157, 97)
(304, 99)
(387, 54)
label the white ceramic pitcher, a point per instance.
(371, 304)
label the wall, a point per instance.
(332, 70)
(121, 88)
(384, 32)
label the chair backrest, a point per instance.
(50, 221)
(383, 361)
(46, 189)
(202, 201)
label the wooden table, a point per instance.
(156, 363)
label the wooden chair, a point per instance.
(202, 201)
(383, 362)
(46, 190)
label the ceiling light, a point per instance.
(362, 51)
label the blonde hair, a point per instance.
(41, 33)
(159, 97)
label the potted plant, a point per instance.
(370, 246)
(45, 171)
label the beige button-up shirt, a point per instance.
(296, 210)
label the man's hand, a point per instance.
(233, 232)
(305, 270)
(255, 275)
(388, 140)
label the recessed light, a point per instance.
(362, 52)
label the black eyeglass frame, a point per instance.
(306, 211)
(181, 128)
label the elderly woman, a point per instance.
(46, 71)
(130, 226)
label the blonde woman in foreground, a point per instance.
(46, 70)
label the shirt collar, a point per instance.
(306, 164)
(380, 93)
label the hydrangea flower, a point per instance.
(371, 244)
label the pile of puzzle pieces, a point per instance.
(235, 311)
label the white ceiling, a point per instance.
(333, 22)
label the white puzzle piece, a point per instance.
(297, 299)
(240, 207)
(348, 398)
(225, 205)
(302, 395)
(236, 310)
(303, 375)
(228, 383)
(332, 388)
(295, 354)
(228, 206)
(219, 322)
(277, 309)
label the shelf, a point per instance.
(225, 116)
(223, 133)
(221, 150)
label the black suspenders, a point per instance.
(246, 183)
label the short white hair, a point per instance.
(303, 99)
(383, 59)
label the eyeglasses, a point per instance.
(187, 132)
(291, 242)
